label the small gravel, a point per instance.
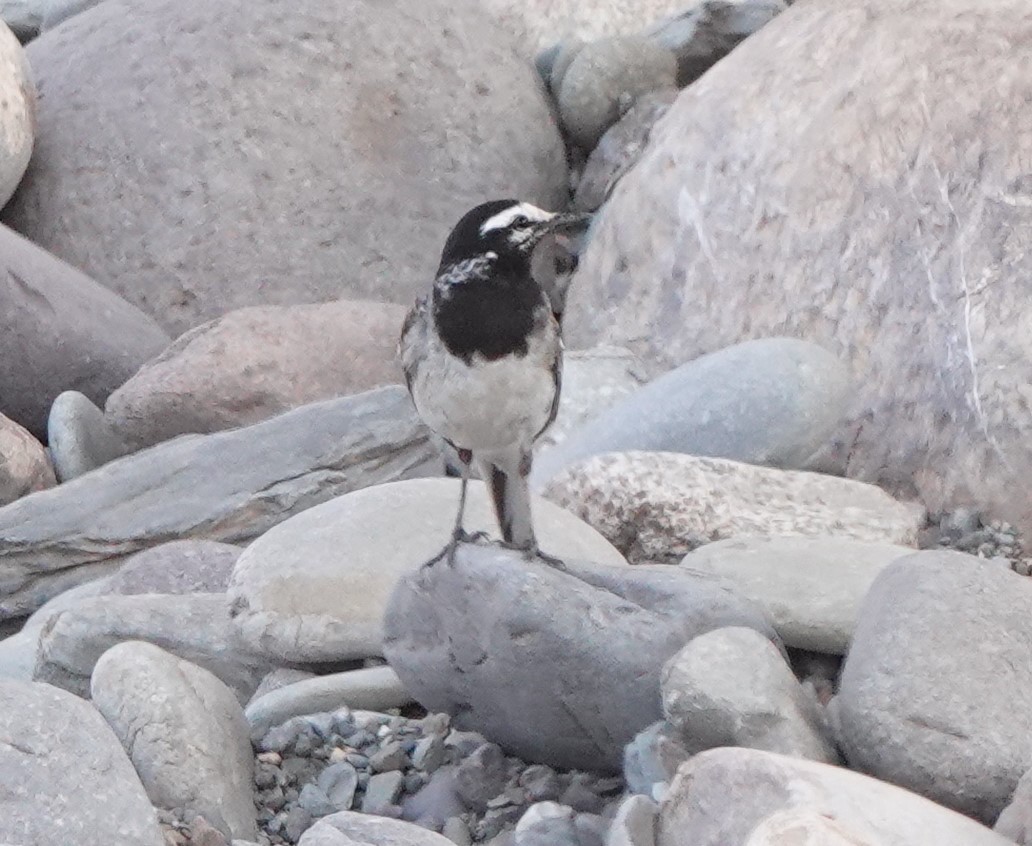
(967, 530)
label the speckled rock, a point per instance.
(255, 363)
(79, 437)
(648, 503)
(64, 776)
(18, 115)
(282, 154)
(24, 466)
(183, 729)
(746, 218)
(603, 81)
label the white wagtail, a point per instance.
(482, 354)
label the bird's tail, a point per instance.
(506, 476)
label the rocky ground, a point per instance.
(788, 479)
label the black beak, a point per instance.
(570, 230)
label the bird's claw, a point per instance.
(533, 553)
(448, 553)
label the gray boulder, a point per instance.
(79, 437)
(63, 775)
(230, 486)
(183, 730)
(774, 401)
(343, 140)
(633, 823)
(557, 667)
(929, 693)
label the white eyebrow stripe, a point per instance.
(504, 218)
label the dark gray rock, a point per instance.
(79, 437)
(229, 486)
(772, 401)
(339, 782)
(558, 668)
(482, 776)
(438, 798)
(382, 792)
(929, 691)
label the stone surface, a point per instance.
(805, 828)
(349, 828)
(230, 486)
(633, 823)
(18, 117)
(546, 824)
(746, 218)
(64, 331)
(315, 588)
(183, 730)
(731, 687)
(928, 691)
(619, 149)
(603, 81)
(652, 758)
(332, 146)
(371, 689)
(177, 567)
(24, 466)
(697, 809)
(23, 17)
(1015, 821)
(79, 437)
(196, 628)
(811, 588)
(773, 401)
(255, 363)
(648, 503)
(63, 775)
(557, 668)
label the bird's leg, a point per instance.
(458, 533)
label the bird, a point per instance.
(482, 352)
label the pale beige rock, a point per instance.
(720, 796)
(24, 466)
(17, 115)
(663, 504)
(804, 828)
(776, 197)
(315, 588)
(254, 363)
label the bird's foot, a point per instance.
(533, 553)
(448, 553)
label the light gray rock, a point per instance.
(557, 668)
(745, 219)
(371, 689)
(183, 730)
(652, 758)
(805, 828)
(928, 691)
(720, 796)
(18, 118)
(315, 587)
(773, 401)
(79, 437)
(370, 130)
(56, 11)
(24, 465)
(731, 687)
(634, 823)
(703, 34)
(18, 656)
(65, 331)
(349, 828)
(811, 587)
(64, 776)
(647, 503)
(196, 628)
(177, 567)
(1015, 821)
(230, 486)
(546, 824)
(383, 792)
(603, 80)
(254, 363)
(279, 678)
(24, 17)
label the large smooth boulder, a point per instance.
(255, 363)
(63, 775)
(929, 697)
(59, 330)
(315, 587)
(24, 466)
(719, 797)
(184, 731)
(880, 221)
(251, 152)
(18, 115)
(662, 505)
(229, 486)
(557, 667)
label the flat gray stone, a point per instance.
(772, 401)
(720, 796)
(349, 828)
(811, 587)
(183, 730)
(314, 588)
(372, 689)
(230, 486)
(557, 668)
(731, 687)
(929, 697)
(64, 777)
(196, 628)
(79, 437)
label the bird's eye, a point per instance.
(520, 221)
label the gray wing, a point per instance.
(556, 372)
(412, 343)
